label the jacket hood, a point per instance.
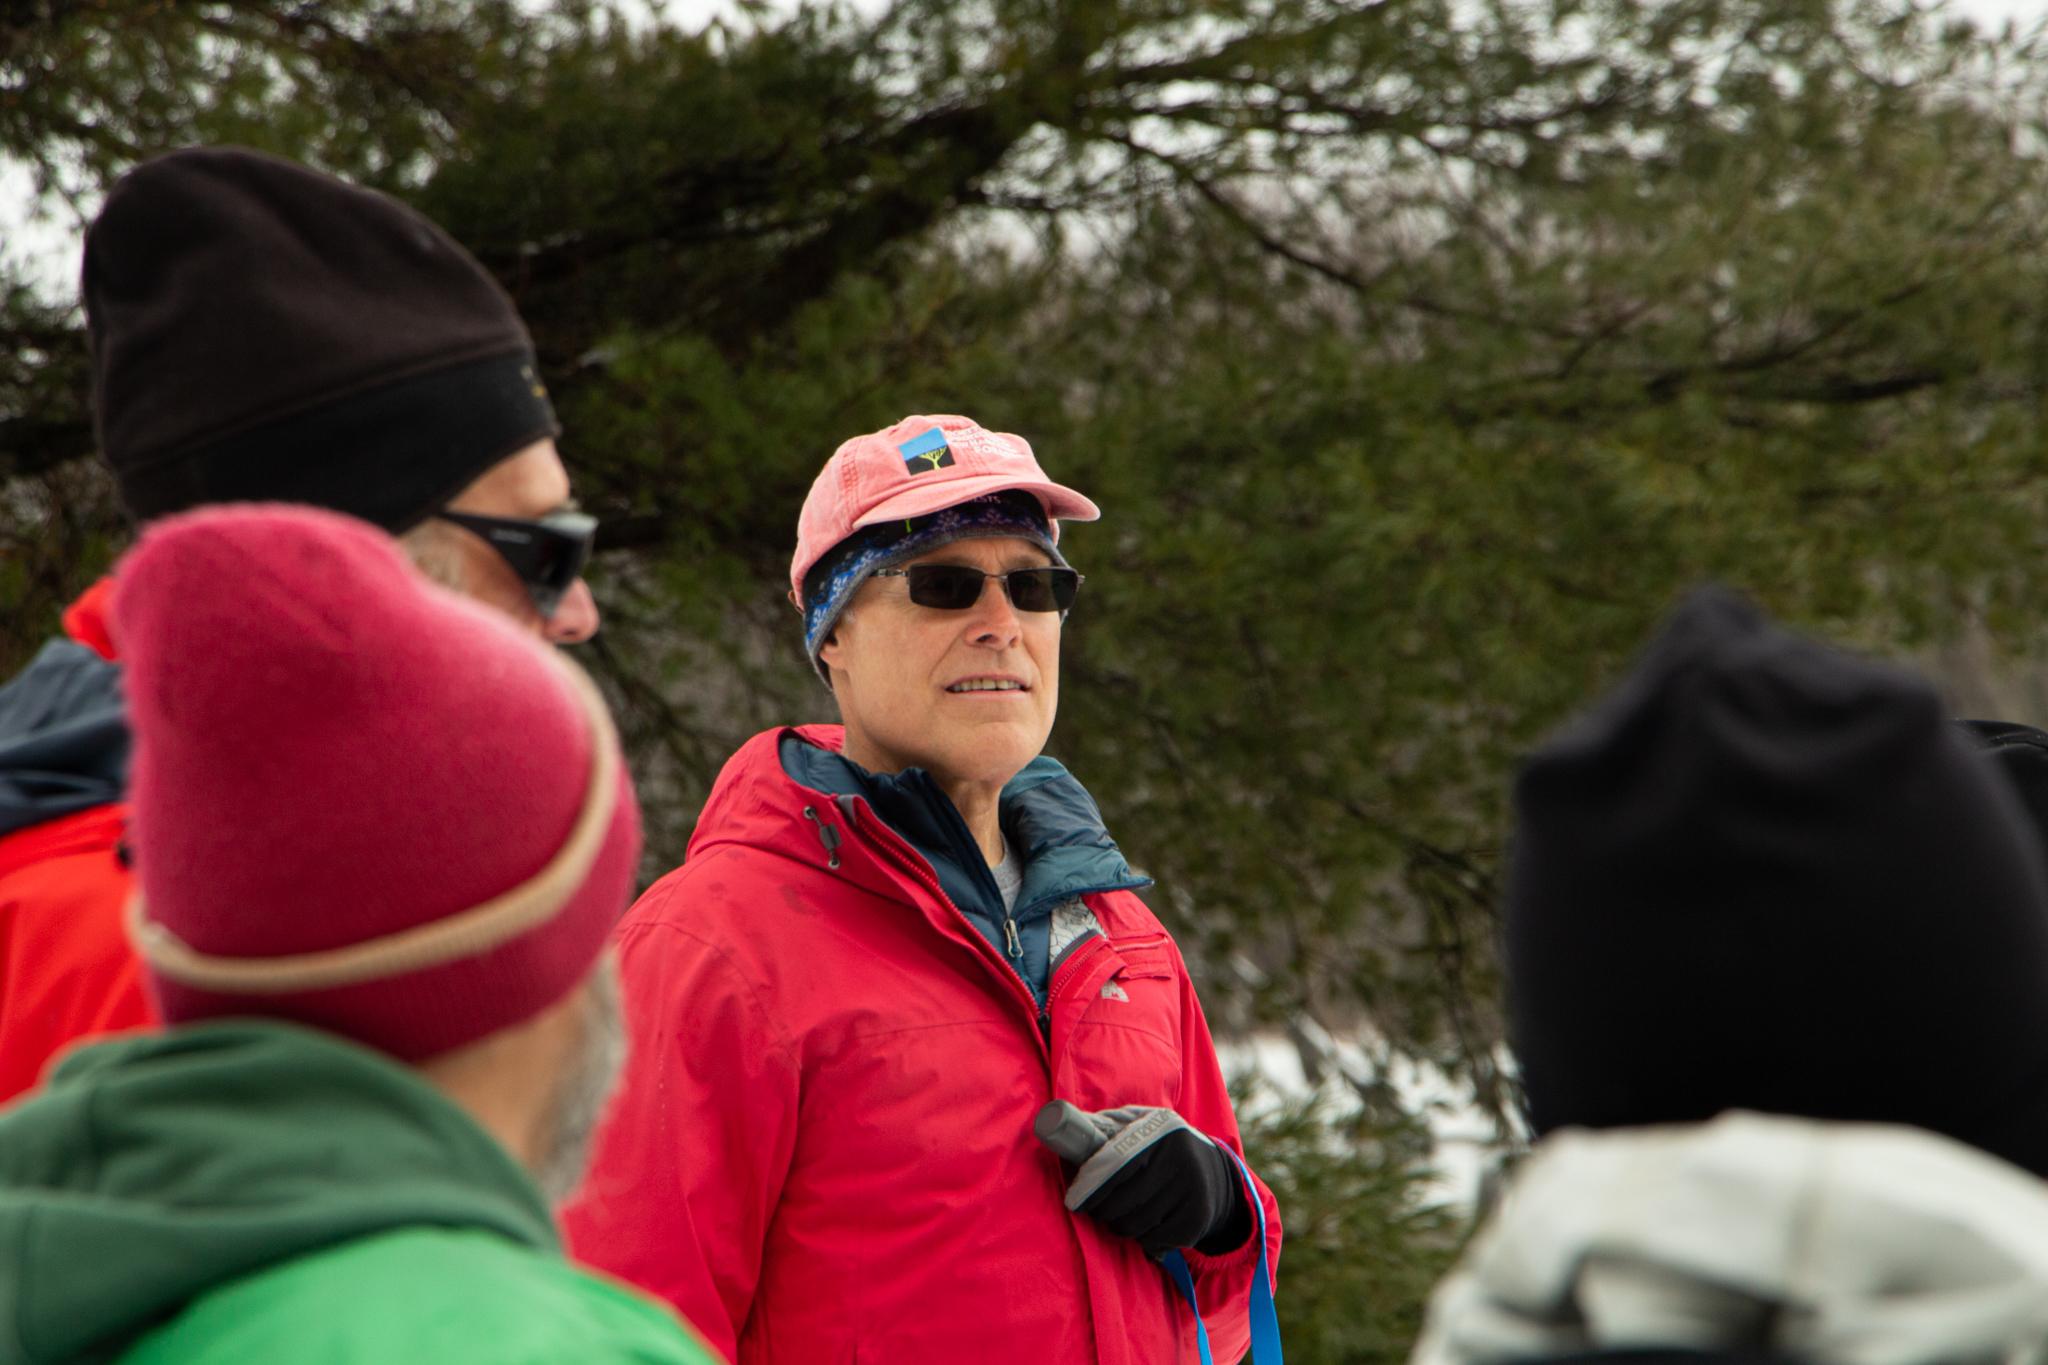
(1053, 824)
(152, 1170)
(793, 793)
(63, 737)
(1861, 1244)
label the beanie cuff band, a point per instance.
(831, 583)
(466, 934)
(391, 455)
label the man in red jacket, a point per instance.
(261, 332)
(893, 943)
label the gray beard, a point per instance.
(585, 1087)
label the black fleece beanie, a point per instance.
(264, 332)
(1765, 875)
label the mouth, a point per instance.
(998, 686)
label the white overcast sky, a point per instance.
(50, 248)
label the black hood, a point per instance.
(63, 737)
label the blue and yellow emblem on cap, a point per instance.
(925, 453)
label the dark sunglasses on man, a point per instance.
(956, 587)
(548, 553)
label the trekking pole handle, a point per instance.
(1069, 1130)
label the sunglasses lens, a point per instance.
(955, 587)
(561, 552)
(548, 554)
(946, 587)
(1043, 589)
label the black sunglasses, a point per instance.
(956, 587)
(548, 554)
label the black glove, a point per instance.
(1162, 1184)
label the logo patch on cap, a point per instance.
(925, 453)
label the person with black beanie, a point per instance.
(261, 332)
(1777, 955)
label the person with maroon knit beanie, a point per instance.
(381, 837)
(261, 332)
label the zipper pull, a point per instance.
(1010, 936)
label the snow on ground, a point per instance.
(1466, 1144)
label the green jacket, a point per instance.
(246, 1190)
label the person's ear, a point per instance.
(831, 649)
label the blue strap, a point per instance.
(1265, 1323)
(1177, 1266)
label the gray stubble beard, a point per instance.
(586, 1085)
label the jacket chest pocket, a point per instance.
(1126, 1047)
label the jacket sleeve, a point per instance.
(690, 1164)
(1223, 1283)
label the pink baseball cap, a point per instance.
(921, 465)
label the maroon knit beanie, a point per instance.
(359, 801)
(265, 333)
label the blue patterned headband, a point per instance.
(834, 579)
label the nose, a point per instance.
(994, 620)
(575, 618)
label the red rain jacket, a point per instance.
(66, 969)
(823, 1149)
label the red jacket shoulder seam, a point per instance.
(636, 934)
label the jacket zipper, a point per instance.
(887, 839)
(1013, 944)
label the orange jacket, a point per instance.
(66, 970)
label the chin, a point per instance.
(993, 755)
